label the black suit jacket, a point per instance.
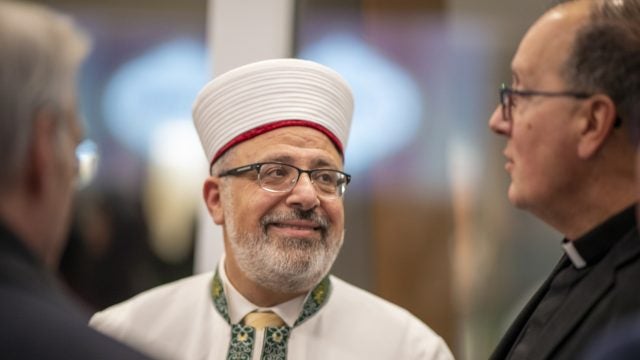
(37, 318)
(623, 343)
(604, 298)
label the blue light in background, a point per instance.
(154, 88)
(160, 86)
(388, 103)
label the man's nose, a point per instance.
(304, 194)
(498, 124)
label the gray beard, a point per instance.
(284, 265)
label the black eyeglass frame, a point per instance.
(340, 188)
(507, 92)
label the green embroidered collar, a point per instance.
(275, 343)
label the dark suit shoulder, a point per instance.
(33, 328)
(627, 272)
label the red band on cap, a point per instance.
(272, 126)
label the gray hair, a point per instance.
(222, 162)
(606, 56)
(41, 54)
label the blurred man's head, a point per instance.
(39, 128)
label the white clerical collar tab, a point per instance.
(573, 254)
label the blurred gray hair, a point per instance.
(42, 51)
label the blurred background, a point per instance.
(428, 225)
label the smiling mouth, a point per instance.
(296, 227)
(296, 223)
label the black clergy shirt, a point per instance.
(594, 286)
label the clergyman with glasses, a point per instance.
(41, 51)
(275, 132)
(568, 120)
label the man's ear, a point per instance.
(599, 121)
(211, 193)
(41, 152)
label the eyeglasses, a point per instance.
(278, 177)
(88, 157)
(507, 94)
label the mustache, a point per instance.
(296, 214)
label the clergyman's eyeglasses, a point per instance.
(507, 95)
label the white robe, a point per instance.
(178, 321)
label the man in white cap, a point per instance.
(275, 133)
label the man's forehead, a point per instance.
(288, 144)
(547, 44)
(294, 134)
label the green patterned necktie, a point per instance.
(275, 337)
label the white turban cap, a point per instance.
(266, 95)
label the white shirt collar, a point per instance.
(239, 306)
(573, 254)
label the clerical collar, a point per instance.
(239, 306)
(591, 247)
